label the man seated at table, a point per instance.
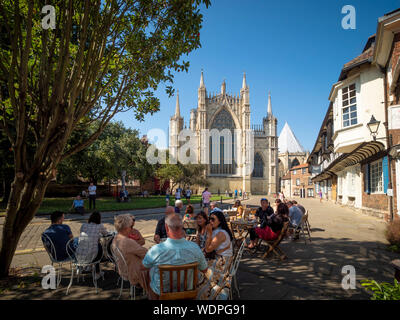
(295, 216)
(161, 232)
(176, 250)
(59, 234)
(214, 207)
(78, 205)
(265, 210)
(302, 209)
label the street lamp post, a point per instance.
(373, 126)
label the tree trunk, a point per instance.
(6, 187)
(24, 201)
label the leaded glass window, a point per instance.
(258, 171)
(223, 120)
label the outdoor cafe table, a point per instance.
(242, 226)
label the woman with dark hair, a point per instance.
(219, 237)
(270, 226)
(89, 248)
(277, 202)
(202, 221)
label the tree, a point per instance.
(169, 172)
(185, 175)
(193, 174)
(127, 157)
(102, 58)
(90, 163)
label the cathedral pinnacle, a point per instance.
(269, 104)
(244, 83)
(177, 107)
(202, 80)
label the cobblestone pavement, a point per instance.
(340, 236)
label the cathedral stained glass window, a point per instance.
(223, 120)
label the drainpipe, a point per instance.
(388, 142)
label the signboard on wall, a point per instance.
(394, 117)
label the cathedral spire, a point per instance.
(223, 88)
(202, 80)
(244, 83)
(269, 104)
(177, 107)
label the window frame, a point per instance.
(373, 179)
(347, 91)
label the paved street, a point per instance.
(340, 237)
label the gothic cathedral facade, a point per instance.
(224, 111)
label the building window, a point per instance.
(223, 120)
(310, 192)
(309, 182)
(294, 171)
(303, 171)
(376, 177)
(258, 171)
(349, 106)
(297, 182)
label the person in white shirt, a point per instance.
(178, 194)
(92, 195)
(188, 194)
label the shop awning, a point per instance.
(362, 152)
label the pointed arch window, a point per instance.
(258, 171)
(223, 120)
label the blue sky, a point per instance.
(295, 49)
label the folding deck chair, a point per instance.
(273, 246)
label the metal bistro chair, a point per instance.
(51, 251)
(189, 291)
(81, 261)
(122, 270)
(234, 267)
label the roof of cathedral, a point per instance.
(287, 141)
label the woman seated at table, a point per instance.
(132, 252)
(277, 202)
(189, 216)
(135, 233)
(89, 248)
(239, 209)
(202, 222)
(219, 237)
(270, 226)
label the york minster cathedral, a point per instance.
(224, 111)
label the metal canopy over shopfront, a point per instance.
(362, 152)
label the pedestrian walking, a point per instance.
(92, 195)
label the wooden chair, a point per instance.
(305, 227)
(273, 246)
(179, 294)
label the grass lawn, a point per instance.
(110, 204)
